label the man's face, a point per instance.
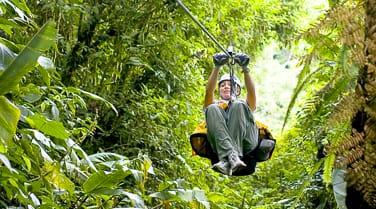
(225, 90)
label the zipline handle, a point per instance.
(203, 28)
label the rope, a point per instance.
(232, 77)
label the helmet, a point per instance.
(226, 77)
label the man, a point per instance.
(231, 127)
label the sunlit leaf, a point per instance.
(9, 116)
(56, 177)
(27, 162)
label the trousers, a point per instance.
(233, 130)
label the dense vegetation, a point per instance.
(99, 97)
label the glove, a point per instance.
(220, 59)
(243, 61)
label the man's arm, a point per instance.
(243, 61)
(219, 60)
(210, 86)
(251, 91)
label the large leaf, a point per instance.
(28, 57)
(101, 180)
(49, 127)
(9, 115)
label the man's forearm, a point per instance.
(251, 91)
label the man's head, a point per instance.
(224, 86)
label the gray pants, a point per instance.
(231, 131)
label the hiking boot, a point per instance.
(222, 167)
(235, 163)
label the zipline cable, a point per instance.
(228, 52)
(203, 28)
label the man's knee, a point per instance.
(238, 105)
(213, 107)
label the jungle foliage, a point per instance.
(99, 97)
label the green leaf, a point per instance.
(9, 116)
(101, 180)
(28, 57)
(49, 127)
(27, 162)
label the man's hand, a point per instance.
(220, 59)
(242, 60)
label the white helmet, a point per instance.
(226, 77)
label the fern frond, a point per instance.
(356, 176)
(346, 109)
(371, 111)
(348, 143)
(296, 92)
(354, 155)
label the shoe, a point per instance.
(235, 163)
(222, 167)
